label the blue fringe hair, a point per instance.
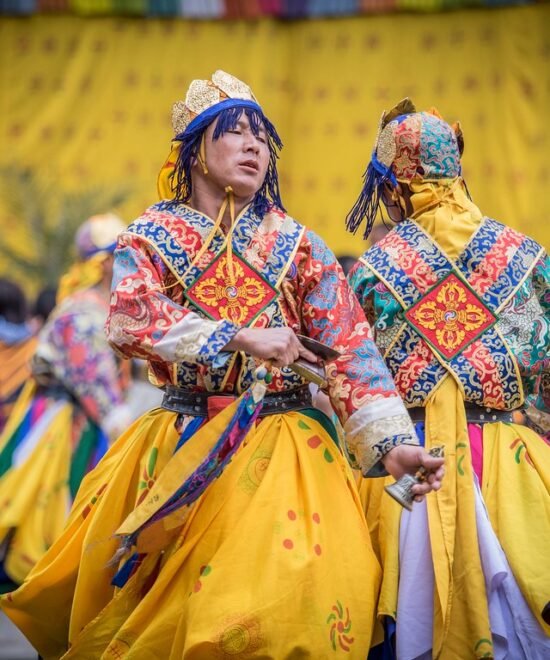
(228, 113)
(367, 204)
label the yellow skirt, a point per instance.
(273, 561)
(516, 493)
(34, 491)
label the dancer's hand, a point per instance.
(280, 345)
(405, 459)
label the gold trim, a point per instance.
(463, 277)
(185, 304)
(394, 340)
(441, 250)
(453, 263)
(446, 366)
(218, 230)
(284, 271)
(516, 366)
(440, 284)
(276, 302)
(449, 374)
(204, 215)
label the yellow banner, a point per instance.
(87, 103)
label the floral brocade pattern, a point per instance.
(496, 263)
(154, 270)
(74, 347)
(421, 147)
(525, 322)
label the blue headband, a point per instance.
(205, 118)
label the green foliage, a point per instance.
(39, 222)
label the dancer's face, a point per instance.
(238, 158)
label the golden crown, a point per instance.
(203, 94)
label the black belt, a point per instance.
(185, 402)
(474, 414)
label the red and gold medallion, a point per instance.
(237, 294)
(450, 316)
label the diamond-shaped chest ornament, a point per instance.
(238, 296)
(450, 316)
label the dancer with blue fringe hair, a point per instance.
(227, 522)
(460, 306)
(71, 405)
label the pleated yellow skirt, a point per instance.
(273, 561)
(34, 492)
(515, 488)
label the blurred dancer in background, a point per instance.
(74, 402)
(43, 306)
(17, 345)
(460, 308)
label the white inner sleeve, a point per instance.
(185, 339)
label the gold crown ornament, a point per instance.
(204, 94)
(201, 96)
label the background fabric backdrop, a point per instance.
(86, 102)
